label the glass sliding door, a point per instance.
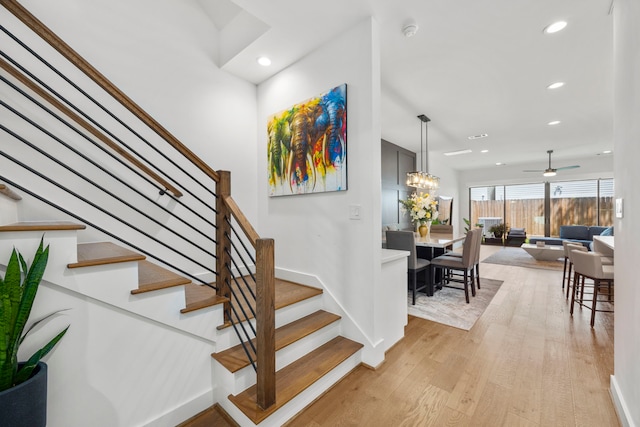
(487, 206)
(606, 203)
(524, 207)
(573, 203)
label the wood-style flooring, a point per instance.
(526, 362)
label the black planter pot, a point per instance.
(25, 405)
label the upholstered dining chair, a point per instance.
(406, 241)
(464, 264)
(478, 245)
(588, 265)
(568, 248)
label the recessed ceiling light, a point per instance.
(484, 151)
(555, 27)
(554, 122)
(264, 61)
(555, 85)
(455, 153)
(482, 135)
(607, 152)
(500, 164)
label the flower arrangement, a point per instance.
(421, 207)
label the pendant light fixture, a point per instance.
(422, 179)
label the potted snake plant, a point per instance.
(23, 385)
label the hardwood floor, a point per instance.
(526, 362)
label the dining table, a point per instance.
(427, 246)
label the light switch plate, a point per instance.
(354, 211)
(619, 208)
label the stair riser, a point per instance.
(62, 248)
(8, 210)
(227, 337)
(300, 402)
(241, 380)
(112, 284)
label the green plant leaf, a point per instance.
(24, 372)
(17, 292)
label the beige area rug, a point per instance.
(518, 257)
(448, 305)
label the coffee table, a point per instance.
(544, 253)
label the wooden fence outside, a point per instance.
(529, 214)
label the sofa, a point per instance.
(575, 233)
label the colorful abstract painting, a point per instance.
(307, 146)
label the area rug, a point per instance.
(518, 257)
(448, 306)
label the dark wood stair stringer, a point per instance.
(235, 358)
(297, 376)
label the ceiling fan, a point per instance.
(551, 171)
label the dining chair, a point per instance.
(406, 241)
(477, 247)
(588, 265)
(464, 264)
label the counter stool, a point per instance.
(568, 247)
(588, 265)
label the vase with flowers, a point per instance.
(422, 208)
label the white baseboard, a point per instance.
(622, 409)
(184, 411)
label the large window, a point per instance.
(586, 202)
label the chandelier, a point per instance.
(422, 179)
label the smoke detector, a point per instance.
(410, 30)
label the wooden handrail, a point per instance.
(9, 192)
(65, 50)
(242, 220)
(86, 125)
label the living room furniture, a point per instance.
(543, 253)
(588, 265)
(575, 233)
(464, 264)
(406, 241)
(516, 237)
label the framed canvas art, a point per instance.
(307, 145)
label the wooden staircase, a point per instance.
(308, 347)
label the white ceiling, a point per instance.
(474, 66)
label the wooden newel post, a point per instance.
(223, 188)
(265, 322)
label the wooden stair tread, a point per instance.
(235, 358)
(200, 296)
(9, 192)
(101, 253)
(42, 226)
(152, 277)
(296, 377)
(287, 293)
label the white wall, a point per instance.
(313, 232)
(625, 384)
